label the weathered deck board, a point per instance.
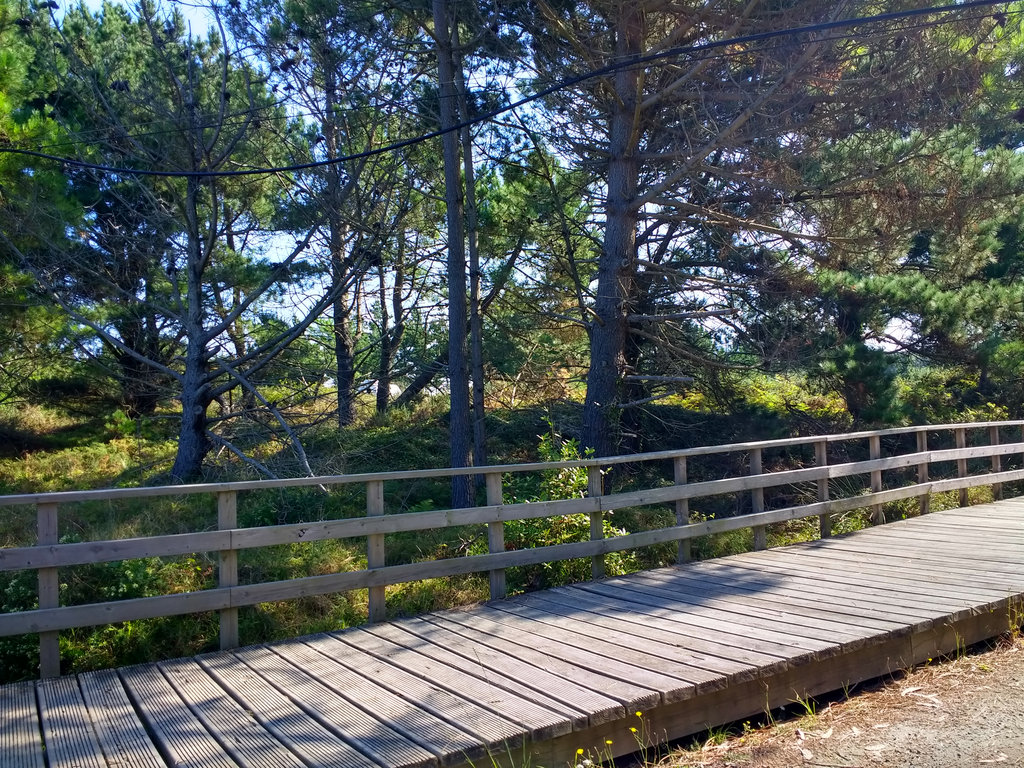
(667, 624)
(542, 716)
(522, 648)
(588, 616)
(664, 627)
(292, 726)
(812, 597)
(121, 735)
(20, 737)
(638, 687)
(516, 674)
(179, 734)
(810, 634)
(457, 697)
(822, 577)
(767, 599)
(544, 674)
(383, 742)
(948, 534)
(67, 726)
(804, 585)
(325, 692)
(988, 523)
(776, 641)
(925, 576)
(922, 594)
(677, 672)
(238, 731)
(458, 721)
(931, 582)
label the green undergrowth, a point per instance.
(26, 429)
(81, 454)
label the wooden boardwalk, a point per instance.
(551, 672)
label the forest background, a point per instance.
(327, 236)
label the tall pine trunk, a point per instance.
(458, 378)
(193, 444)
(345, 373)
(340, 263)
(617, 265)
(476, 324)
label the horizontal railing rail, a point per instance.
(111, 494)
(47, 555)
(91, 552)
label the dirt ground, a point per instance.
(966, 711)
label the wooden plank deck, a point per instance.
(552, 672)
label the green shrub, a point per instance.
(559, 484)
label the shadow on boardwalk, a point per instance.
(546, 674)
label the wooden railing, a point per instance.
(47, 555)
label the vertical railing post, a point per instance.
(377, 610)
(961, 464)
(997, 463)
(875, 452)
(924, 501)
(227, 567)
(682, 508)
(595, 487)
(757, 501)
(49, 591)
(821, 460)
(495, 535)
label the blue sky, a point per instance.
(196, 12)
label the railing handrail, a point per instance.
(106, 494)
(230, 598)
(47, 556)
(105, 551)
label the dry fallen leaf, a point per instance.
(907, 691)
(813, 734)
(1002, 757)
(711, 746)
(932, 699)
(808, 755)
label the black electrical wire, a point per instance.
(561, 85)
(240, 117)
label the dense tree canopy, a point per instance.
(714, 187)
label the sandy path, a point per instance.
(968, 711)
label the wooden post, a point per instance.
(925, 499)
(496, 535)
(227, 568)
(875, 449)
(595, 487)
(682, 508)
(757, 501)
(821, 459)
(961, 464)
(49, 592)
(377, 609)
(997, 463)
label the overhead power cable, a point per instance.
(232, 119)
(936, 10)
